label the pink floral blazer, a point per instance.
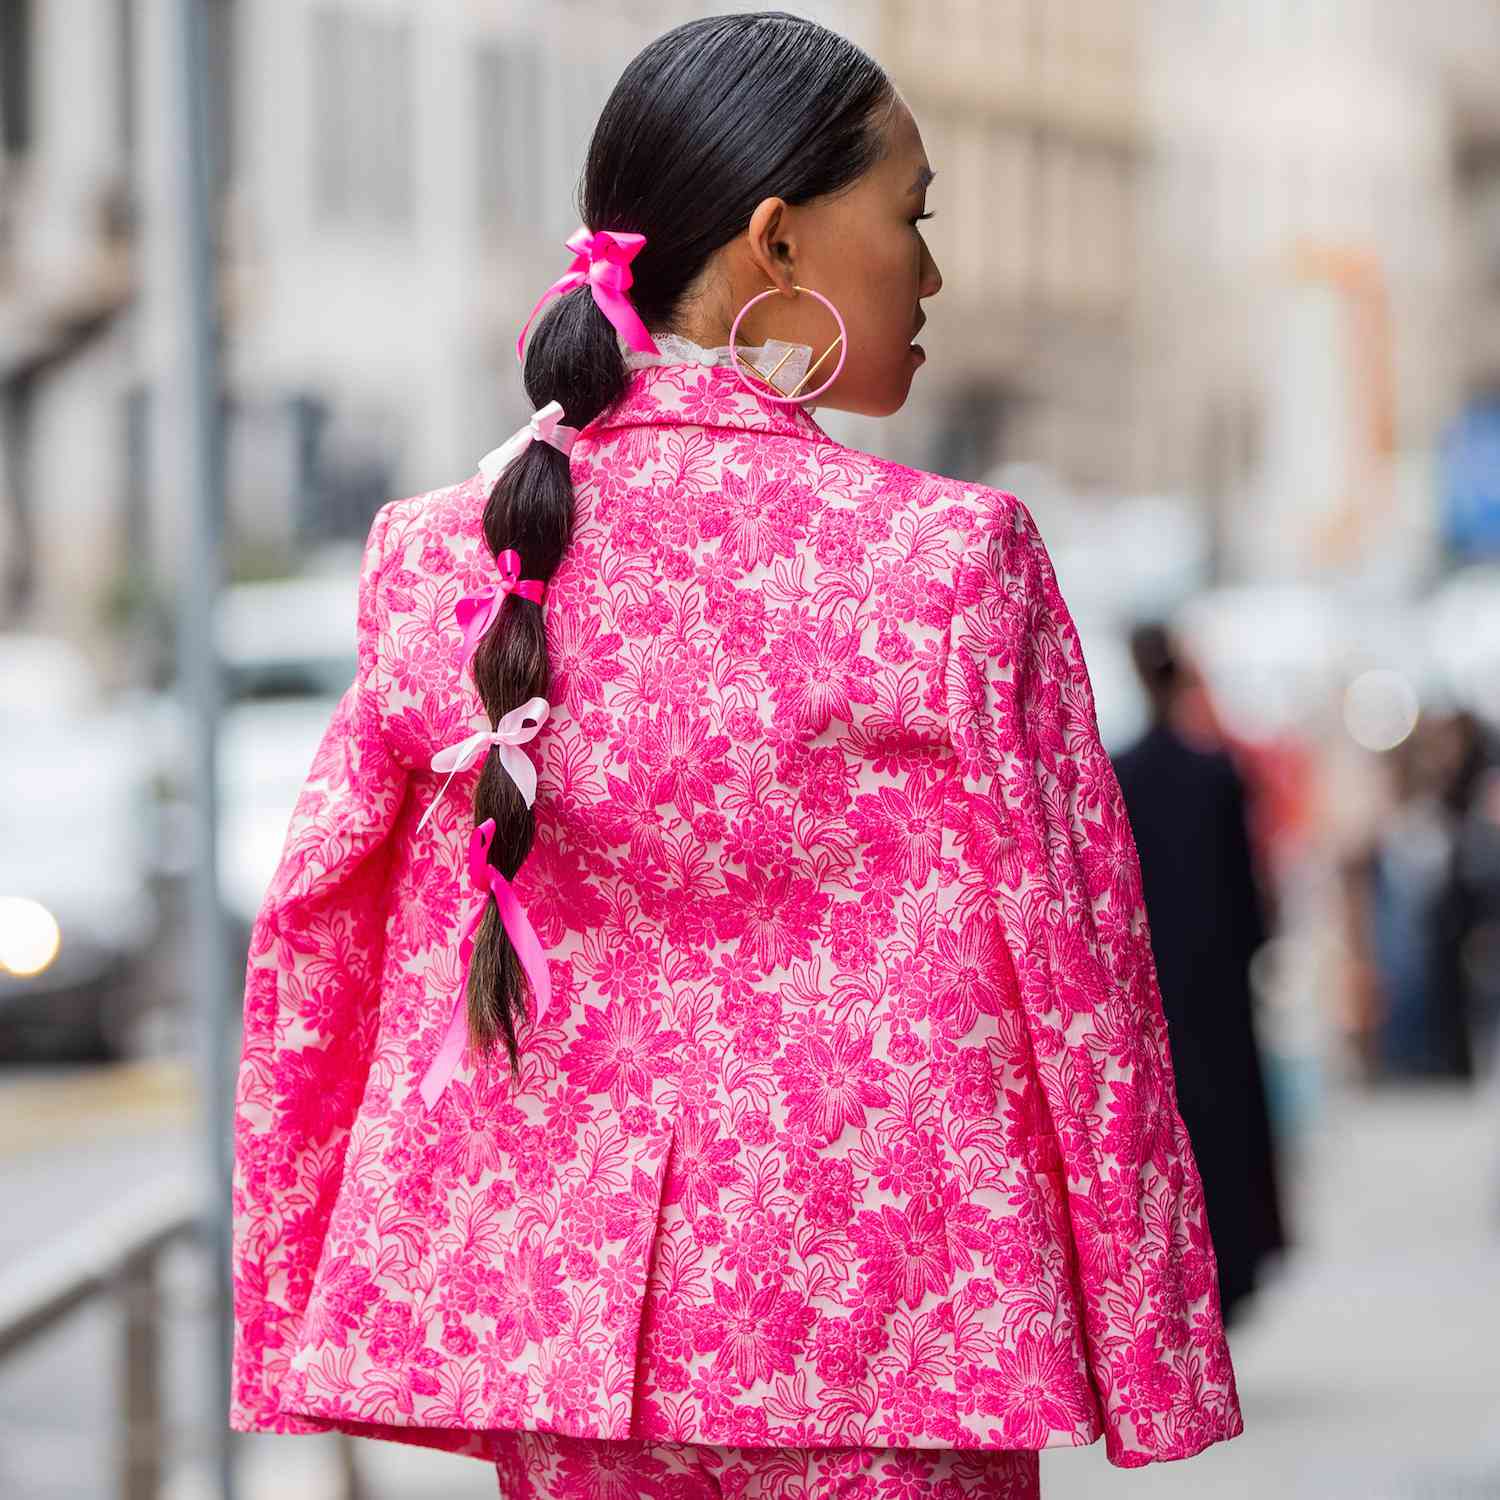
(853, 1119)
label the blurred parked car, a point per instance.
(78, 916)
(288, 649)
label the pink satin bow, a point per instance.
(476, 612)
(517, 728)
(545, 426)
(485, 877)
(602, 259)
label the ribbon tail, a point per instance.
(493, 464)
(615, 306)
(525, 941)
(441, 1069)
(480, 621)
(450, 1050)
(432, 806)
(564, 283)
(521, 770)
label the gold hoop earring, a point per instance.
(840, 343)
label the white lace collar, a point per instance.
(673, 349)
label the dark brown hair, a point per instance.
(708, 120)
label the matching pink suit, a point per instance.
(852, 1122)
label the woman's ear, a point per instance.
(770, 243)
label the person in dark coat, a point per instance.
(1186, 804)
(1459, 908)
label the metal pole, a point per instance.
(350, 1485)
(201, 448)
(142, 1433)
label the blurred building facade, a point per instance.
(1031, 111)
(88, 530)
(1471, 478)
(68, 282)
(1189, 246)
(1301, 273)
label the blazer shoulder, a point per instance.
(400, 531)
(449, 510)
(970, 509)
(981, 531)
(427, 503)
(988, 528)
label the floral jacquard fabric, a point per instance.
(534, 1465)
(853, 1120)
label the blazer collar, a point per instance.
(686, 394)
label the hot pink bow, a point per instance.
(601, 258)
(476, 612)
(486, 878)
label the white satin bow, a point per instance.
(545, 426)
(514, 730)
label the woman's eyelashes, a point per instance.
(930, 214)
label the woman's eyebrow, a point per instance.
(924, 176)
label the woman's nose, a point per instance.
(932, 278)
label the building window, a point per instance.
(510, 135)
(15, 63)
(362, 118)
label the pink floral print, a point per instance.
(853, 1121)
(535, 1464)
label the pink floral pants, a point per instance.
(548, 1466)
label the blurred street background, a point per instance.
(1221, 303)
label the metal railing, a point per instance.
(114, 1257)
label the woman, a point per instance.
(799, 1119)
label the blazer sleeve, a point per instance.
(1067, 887)
(310, 1015)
